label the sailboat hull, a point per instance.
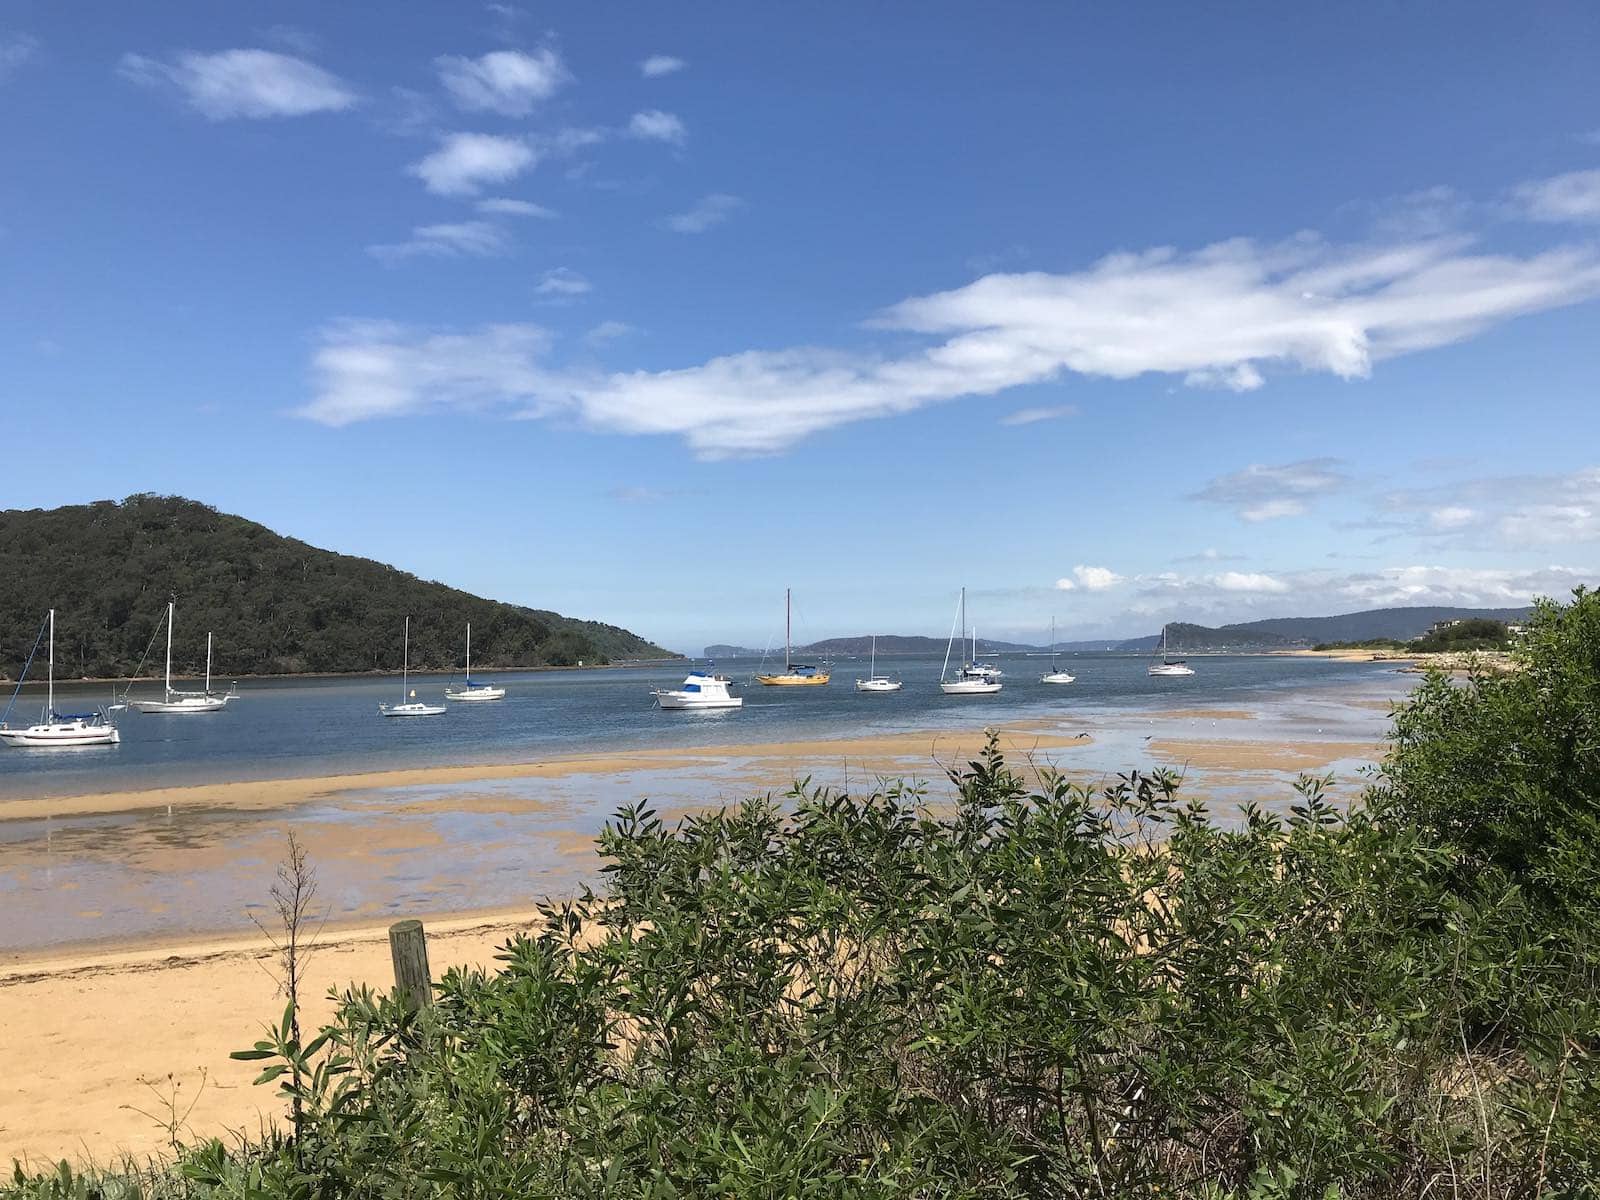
(62, 735)
(182, 706)
(1057, 677)
(477, 693)
(411, 710)
(878, 685)
(1170, 670)
(788, 679)
(970, 687)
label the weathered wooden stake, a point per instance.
(408, 946)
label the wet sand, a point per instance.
(99, 1001)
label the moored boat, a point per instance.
(56, 729)
(472, 689)
(1169, 667)
(793, 674)
(971, 679)
(409, 705)
(176, 702)
(699, 690)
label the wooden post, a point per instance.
(408, 946)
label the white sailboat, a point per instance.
(971, 679)
(1169, 667)
(1055, 674)
(409, 705)
(176, 702)
(56, 729)
(875, 682)
(471, 690)
(699, 690)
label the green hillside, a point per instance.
(276, 605)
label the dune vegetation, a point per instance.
(1038, 990)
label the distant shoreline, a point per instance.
(216, 677)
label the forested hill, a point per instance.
(276, 605)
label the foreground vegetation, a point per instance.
(277, 606)
(1052, 991)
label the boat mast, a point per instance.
(788, 654)
(208, 662)
(469, 653)
(405, 662)
(50, 711)
(1052, 645)
(873, 669)
(169, 647)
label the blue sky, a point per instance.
(643, 313)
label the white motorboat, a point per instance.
(55, 729)
(1169, 667)
(176, 702)
(473, 690)
(971, 679)
(875, 682)
(409, 705)
(699, 690)
(1055, 674)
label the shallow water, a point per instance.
(310, 727)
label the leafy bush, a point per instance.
(1053, 991)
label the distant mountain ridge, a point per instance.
(277, 605)
(1273, 633)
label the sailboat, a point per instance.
(471, 690)
(409, 705)
(1055, 674)
(1169, 667)
(875, 682)
(971, 679)
(54, 728)
(185, 702)
(793, 674)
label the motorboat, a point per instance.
(56, 730)
(699, 690)
(970, 679)
(1055, 674)
(1169, 667)
(793, 674)
(875, 682)
(409, 705)
(174, 702)
(472, 689)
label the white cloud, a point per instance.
(608, 331)
(244, 83)
(1247, 581)
(367, 369)
(653, 125)
(707, 211)
(476, 239)
(1516, 510)
(465, 162)
(1031, 416)
(1263, 493)
(563, 281)
(660, 64)
(499, 206)
(1092, 579)
(1452, 516)
(16, 49)
(1465, 586)
(1301, 305)
(508, 82)
(1571, 197)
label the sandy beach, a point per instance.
(105, 1010)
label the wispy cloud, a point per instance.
(706, 212)
(502, 207)
(509, 82)
(563, 281)
(1031, 416)
(653, 125)
(15, 49)
(1574, 197)
(367, 369)
(1301, 305)
(474, 239)
(660, 64)
(1210, 554)
(1511, 510)
(608, 331)
(1091, 579)
(243, 83)
(466, 162)
(1263, 493)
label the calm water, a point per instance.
(328, 726)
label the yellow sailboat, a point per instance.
(793, 674)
